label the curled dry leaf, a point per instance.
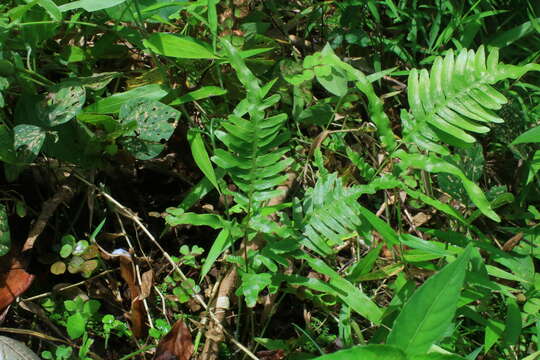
(14, 280)
(176, 345)
(147, 281)
(137, 314)
(271, 354)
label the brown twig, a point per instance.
(228, 284)
(64, 194)
(124, 211)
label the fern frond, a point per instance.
(456, 98)
(254, 156)
(331, 213)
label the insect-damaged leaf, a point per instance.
(63, 102)
(176, 345)
(155, 123)
(28, 140)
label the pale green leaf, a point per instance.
(113, 103)
(90, 5)
(367, 352)
(183, 47)
(199, 94)
(198, 150)
(529, 136)
(220, 244)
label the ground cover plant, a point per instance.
(223, 179)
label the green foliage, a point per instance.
(5, 235)
(455, 96)
(376, 168)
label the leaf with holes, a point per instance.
(63, 102)
(97, 81)
(28, 140)
(155, 124)
(5, 236)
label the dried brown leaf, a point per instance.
(14, 280)
(137, 313)
(176, 345)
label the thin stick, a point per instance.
(65, 193)
(129, 214)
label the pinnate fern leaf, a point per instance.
(254, 157)
(331, 213)
(456, 98)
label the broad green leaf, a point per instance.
(433, 164)
(90, 5)
(435, 356)
(5, 235)
(335, 82)
(15, 350)
(529, 136)
(113, 103)
(7, 150)
(367, 352)
(513, 323)
(76, 324)
(97, 81)
(212, 17)
(199, 94)
(492, 333)
(63, 102)
(72, 142)
(508, 37)
(183, 47)
(198, 150)
(220, 244)
(51, 8)
(251, 285)
(177, 217)
(28, 139)
(350, 294)
(429, 312)
(387, 233)
(155, 124)
(319, 114)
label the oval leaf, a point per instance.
(183, 47)
(201, 156)
(430, 310)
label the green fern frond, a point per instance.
(254, 157)
(331, 214)
(456, 98)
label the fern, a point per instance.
(330, 214)
(253, 158)
(456, 98)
